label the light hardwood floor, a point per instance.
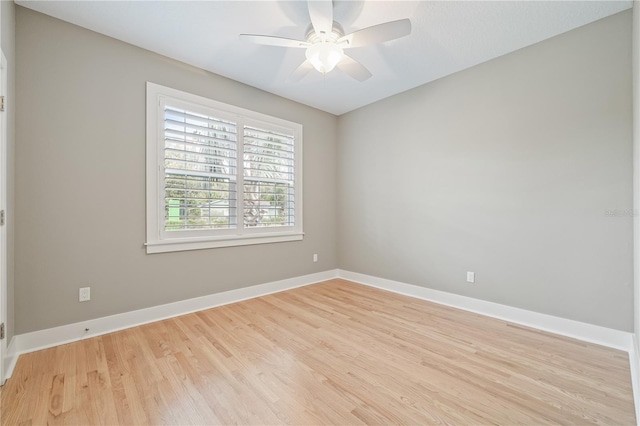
(330, 353)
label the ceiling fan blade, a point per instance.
(377, 33)
(354, 68)
(321, 14)
(273, 40)
(300, 72)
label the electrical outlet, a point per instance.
(315, 257)
(84, 294)
(471, 277)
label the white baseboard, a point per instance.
(42, 339)
(634, 365)
(578, 330)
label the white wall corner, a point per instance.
(10, 360)
(634, 360)
(636, 162)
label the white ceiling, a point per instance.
(447, 36)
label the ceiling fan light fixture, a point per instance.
(324, 56)
(325, 40)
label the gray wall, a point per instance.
(506, 169)
(80, 181)
(8, 37)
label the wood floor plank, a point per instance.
(329, 353)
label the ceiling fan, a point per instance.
(325, 42)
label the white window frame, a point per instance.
(161, 241)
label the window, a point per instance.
(219, 175)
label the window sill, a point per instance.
(167, 246)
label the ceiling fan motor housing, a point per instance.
(336, 33)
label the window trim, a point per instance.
(157, 239)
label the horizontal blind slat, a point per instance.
(195, 130)
(182, 117)
(264, 134)
(193, 157)
(270, 153)
(197, 173)
(281, 146)
(179, 112)
(172, 138)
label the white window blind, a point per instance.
(219, 175)
(269, 178)
(200, 154)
